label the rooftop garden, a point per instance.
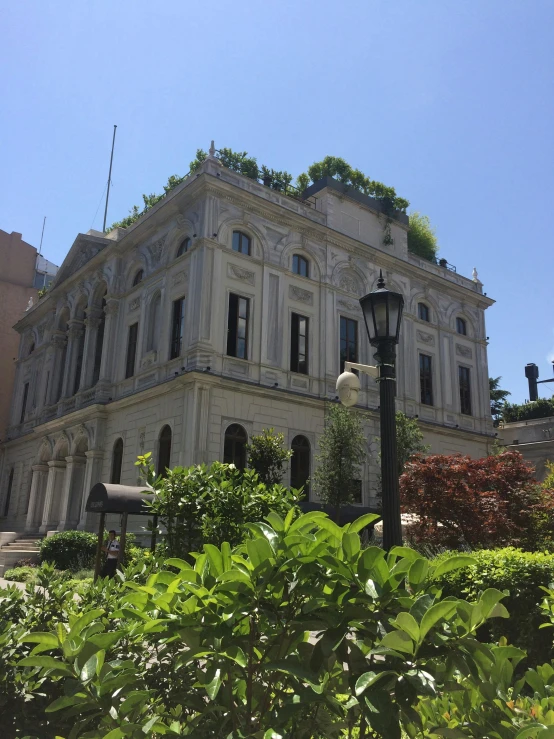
(422, 240)
(541, 408)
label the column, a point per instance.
(93, 474)
(91, 329)
(74, 335)
(110, 329)
(38, 481)
(54, 486)
(201, 425)
(59, 340)
(72, 493)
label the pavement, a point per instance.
(6, 583)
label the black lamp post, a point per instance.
(382, 314)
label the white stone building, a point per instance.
(226, 309)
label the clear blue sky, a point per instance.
(451, 103)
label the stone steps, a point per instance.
(24, 547)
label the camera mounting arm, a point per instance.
(367, 369)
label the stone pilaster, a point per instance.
(38, 484)
(92, 322)
(72, 493)
(54, 486)
(93, 474)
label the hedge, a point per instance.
(522, 574)
(69, 550)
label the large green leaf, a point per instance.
(370, 678)
(453, 563)
(83, 621)
(216, 560)
(361, 522)
(351, 544)
(46, 639)
(436, 613)
(398, 640)
(48, 663)
(407, 623)
(259, 551)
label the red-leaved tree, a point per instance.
(493, 501)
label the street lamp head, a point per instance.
(382, 311)
(348, 388)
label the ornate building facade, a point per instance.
(228, 308)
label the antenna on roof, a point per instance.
(109, 180)
(42, 236)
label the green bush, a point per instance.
(69, 550)
(523, 574)
(21, 574)
(541, 408)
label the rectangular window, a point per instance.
(24, 403)
(348, 341)
(426, 379)
(465, 390)
(237, 326)
(131, 350)
(177, 328)
(299, 344)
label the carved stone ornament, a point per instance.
(81, 430)
(463, 351)
(40, 332)
(239, 273)
(348, 304)
(302, 296)
(180, 277)
(426, 338)
(348, 284)
(149, 359)
(134, 304)
(156, 249)
(112, 307)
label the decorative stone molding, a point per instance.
(156, 249)
(40, 331)
(134, 304)
(302, 296)
(112, 307)
(149, 359)
(348, 304)
(463, 351)
(180, 277)
(426, 338)
(239, 273)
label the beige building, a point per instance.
(534, 439)
(229, 307)
(23, 272)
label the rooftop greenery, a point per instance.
(541, 408)
(421, 238)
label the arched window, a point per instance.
(300, 266)
(300, 464)
(234, 449)
(8, 494)
(138, 277)
(99, 344)
(184, 247)
(461, 326)
(164, 451)
(79, 362)
(241, 242)
(117, 461)
(154, 324)
(423, 312)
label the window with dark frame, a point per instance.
(241, 242)
(99, 344)
(348, 341)
(423, 312)
(164, 451)
(8, 493)
(426, 378)
(24, 403)
(131, 350)
(117, 462)
(300, 265)
(461, 326)
(237, 326)
(79, 362)
(184, 247)
(464, 378)
(59, 388)
(234, 446)
(300, 465)
(299, 344)
(138, 277)
(177, 328)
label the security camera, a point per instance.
(348, 388)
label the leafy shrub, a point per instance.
(267, 456)
(541, 408)
(422, 239)
(494, 501)
(26, 563)
(69, 550)
(21, 574)
(208, 648)
(523, 574)
(202, 504)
